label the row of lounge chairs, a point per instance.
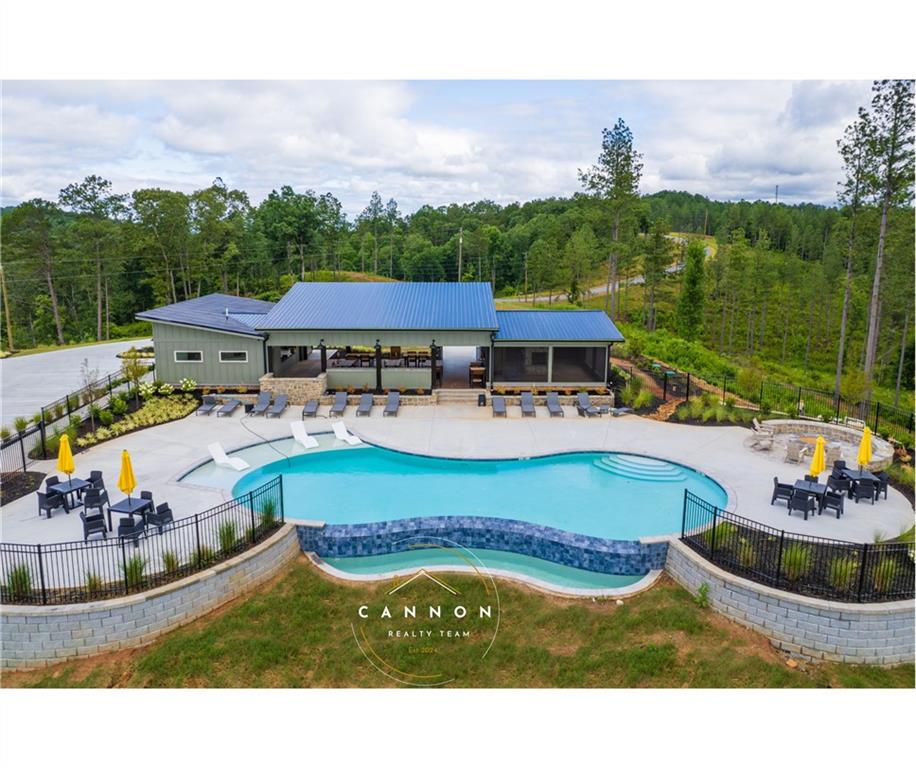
(263, 406)
(584, 406)
(366, 403)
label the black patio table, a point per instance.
(130, 506)
(860, 474)
(815, 489)
(68, 489)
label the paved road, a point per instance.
(29, 382)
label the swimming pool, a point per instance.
(607, 495)
(494, 560)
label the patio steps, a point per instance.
(641, 468)
(458, 396)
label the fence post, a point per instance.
(684, 516)
(782, 539)
(67, 401)
(712, 546)
(687, 399)
(124, 567)
(41, 426)
(22, 449)
(109, 386)
(724, 383)
(665, 389)
(251, 508)
(862, 572)
(798, 402)
(836, 418)
(877, 416)
(197, 537)
(41, 578)
(282, 515)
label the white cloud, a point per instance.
(420, 145)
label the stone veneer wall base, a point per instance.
(821, 630)
(37, 635)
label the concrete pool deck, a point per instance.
(163, 454)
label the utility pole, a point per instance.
(6, 311)
(460, 252)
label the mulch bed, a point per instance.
(15, 485)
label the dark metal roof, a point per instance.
(556, 325)
(210, 312)
(384, 306)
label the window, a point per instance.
(189, 357)
(233, 357)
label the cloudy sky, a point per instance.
(424, 142)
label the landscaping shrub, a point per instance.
(93, 582)
(796, 561)
(170, 561)
(884, 573)
(154, 411)
(19, 582)
(643, 399)
(106, 417)
(268, 513)
(133, 571)
(702, 596)
(187, 385)
(747, 554)
(723, 535)
(228, 536)
(204, 557)
(4, 433)
(842, 572)
(118, 405)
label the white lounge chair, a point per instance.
(222, 460)
(340, 432)
(302, 436)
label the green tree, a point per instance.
(578, 257)
(614, 178)
(693, 294)
(656, 258)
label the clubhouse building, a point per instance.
(377, 337)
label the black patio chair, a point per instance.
(131, 529)
(781, 491)
(49, 481)
(839, 484)
(95, 479)
(832, 501)
(161, 517)
(811, 478)
(864, 489)
(882, 485)
(48, 502)
(148, 497)
(93, 524)
(95, 498)
(839, 465)
(802, 502)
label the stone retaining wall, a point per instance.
(35, 636)
(552, 544)
(298, 390)
(858, 633)
(882, 451)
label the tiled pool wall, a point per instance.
(625, 558)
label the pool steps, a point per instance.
(640, 468)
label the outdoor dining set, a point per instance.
(90, 497)
(809, 495)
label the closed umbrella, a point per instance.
(864, 457)
(126, 480)
(818, 461)
(65, 457)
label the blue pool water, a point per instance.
(543, 570)
(612, 496)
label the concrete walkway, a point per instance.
(27, 383)
(163, 454)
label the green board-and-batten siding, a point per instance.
(168, 339)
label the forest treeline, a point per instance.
(826, 287)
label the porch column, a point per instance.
(324, 356)
(378, 367)
(490, 362)
(550, 365)
(432, 366)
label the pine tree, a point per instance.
(693, 295)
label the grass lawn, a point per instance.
(296, 632)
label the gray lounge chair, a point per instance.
(261, 406)
(499, 405)
(619, 411)
(392, 404)
(553, 404)
(310, 409)
(279, 406)
(208, 404)
(228, 408)
(584, 405)
(365, 405)
(340, 404)
(528, 405)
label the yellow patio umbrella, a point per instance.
(864, 457)
(65, 457)
(126, 480)
(818, 461)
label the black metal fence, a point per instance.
(77, 571)
(807, 565)
(20, 450)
